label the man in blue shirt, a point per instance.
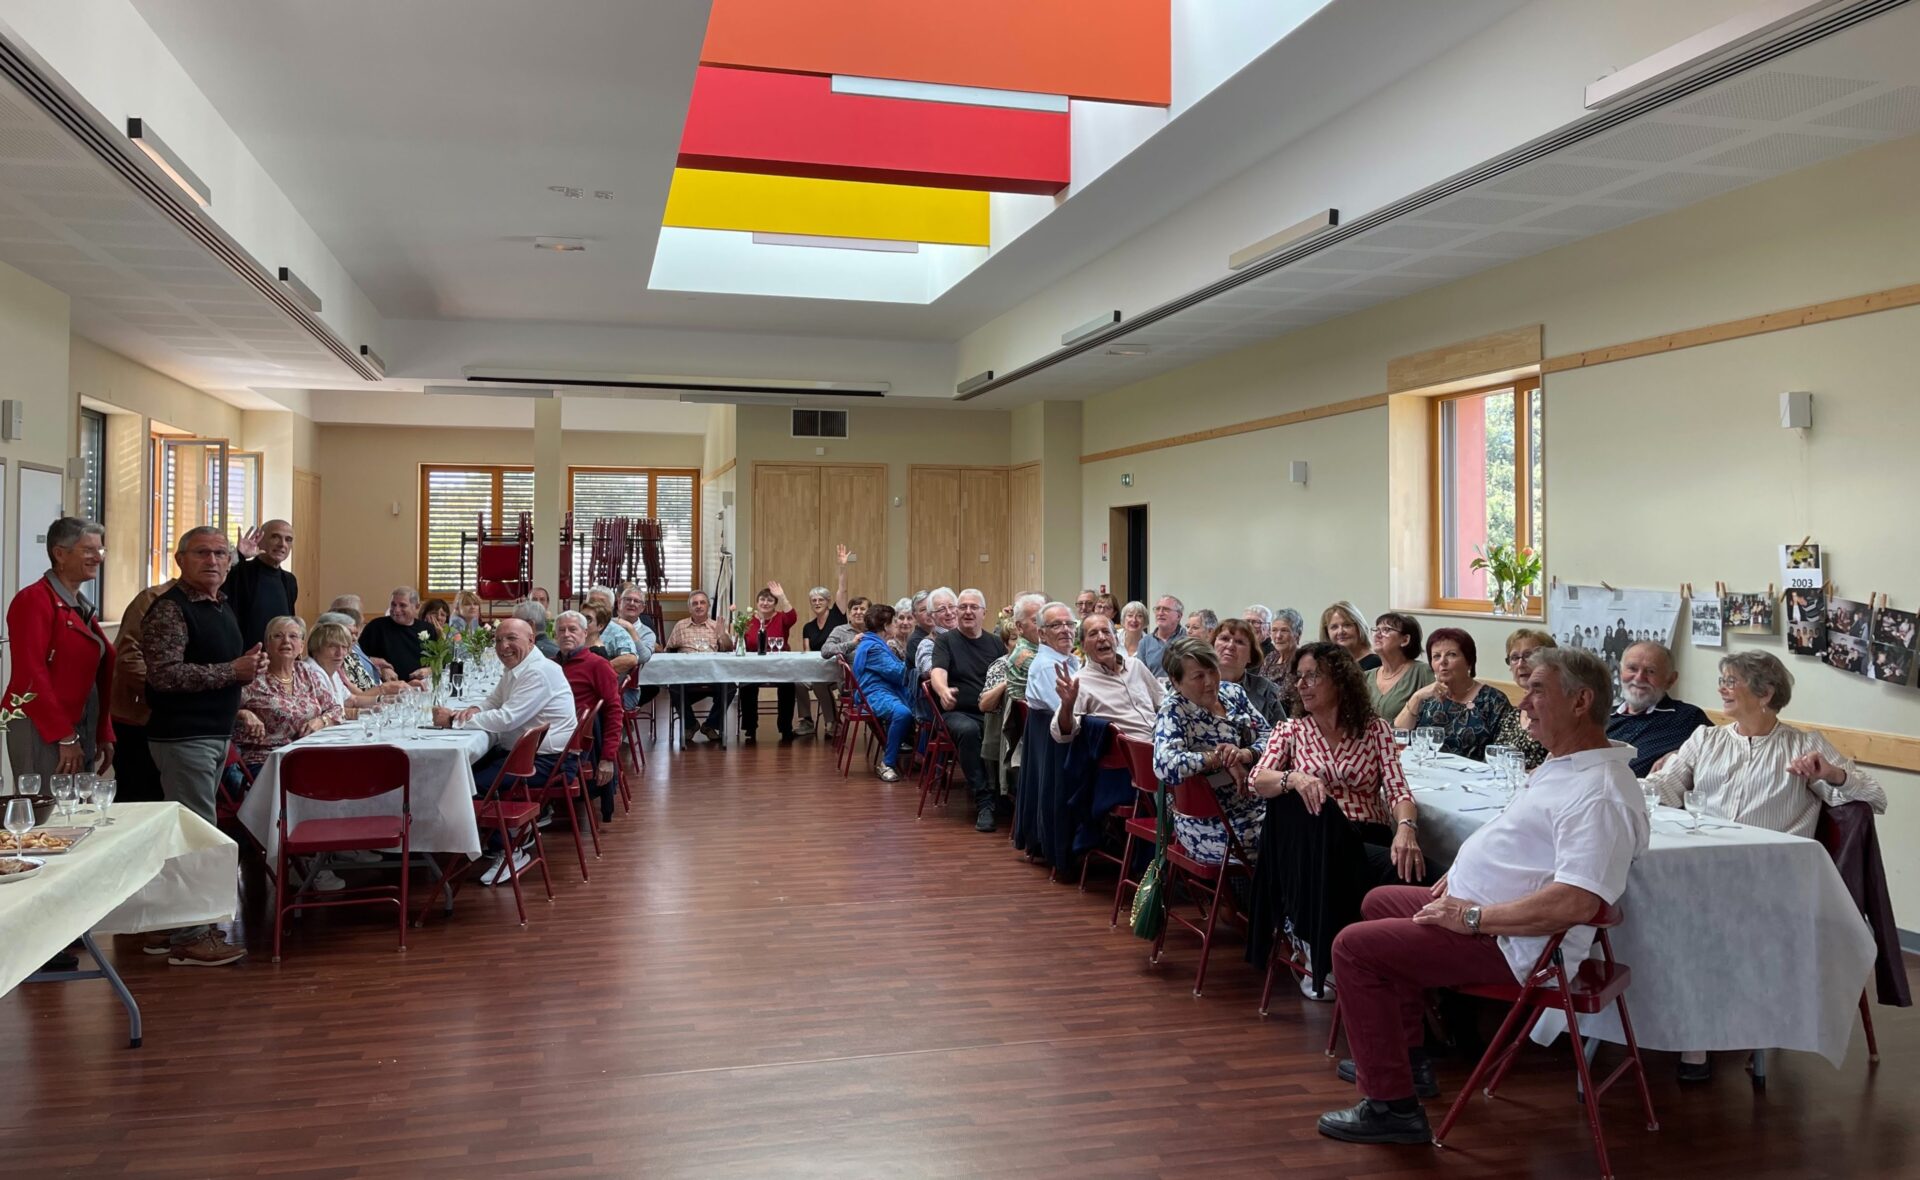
(1167, 616)
(1649, 720)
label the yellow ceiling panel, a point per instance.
(701, 199)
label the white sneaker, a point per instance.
(1325, 996)
(498, 872)
(324, 881)
(802, 728)
(359, 856)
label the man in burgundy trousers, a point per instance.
(1560, 849)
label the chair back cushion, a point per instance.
(335, 773)
(520, 761)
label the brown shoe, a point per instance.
(211, 951)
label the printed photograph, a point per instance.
(1705, 618)
(1807, 639)
(1895, 627)
(1846, 616)
(1805, 606)
(1800, 566)
(1748, 613)
(1892, 663)
(1847, 654)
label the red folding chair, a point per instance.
(1597, 984)
(1116, 757)
(565, 789)
(936, 769)
(507, 812)
(1143, 827)
(1205, 882)
(339, 775)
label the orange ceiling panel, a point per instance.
(1110, 50)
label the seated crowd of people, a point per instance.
(1295, 737)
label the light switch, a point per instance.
(986, 558)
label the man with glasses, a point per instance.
(1057, 629)
(1167, 615)
(196, 664)
(1083, 605)
(958, 675)
(1649, 720)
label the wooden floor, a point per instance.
(775, 972)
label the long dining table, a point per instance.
(730, 670)
(1738, 937)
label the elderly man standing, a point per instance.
(1649, 720)
(1545, 864)
(1108, 685)
(396, 636)
(592, 679)
(196, 666)
(533, 691)
(958, 675)
(1167, 615)
(259, 587)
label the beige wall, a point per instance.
(899, 438)
(1660, 470)
(366, 470)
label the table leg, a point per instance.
(102, 970)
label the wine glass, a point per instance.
(63, 795)
(28, 785)
(1402, 738)
(104, 789)
(19, 819)
(1697, 811)
(84, 786)
(776, 643)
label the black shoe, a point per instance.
(746, 739)
(1425, 1085)
(64, 961)
(1691, 1074)
(786, 735)
(983, 822)
(1368, 1121)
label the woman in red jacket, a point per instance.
(63, 658)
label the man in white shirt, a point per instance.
(1109, 685)
(533, 691)
(1055, 655)
(1543, 865)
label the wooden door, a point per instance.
(853, 512)
(983, 536)
(306, 533)
(786, 530)
(933, 528)
(1026, 508)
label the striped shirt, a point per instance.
(1747, 780)
(1362, 774)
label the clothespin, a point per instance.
(1769, 591)
(1555, 583)
(1604, 586)
(1805, 539)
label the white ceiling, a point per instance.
(419, 140)
(1851, 90)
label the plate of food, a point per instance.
(45, 841)
(19, 868)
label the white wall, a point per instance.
(1660, 470)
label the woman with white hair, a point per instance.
(1283, 639)
(1134, 621)
(288, 701)
(1757, 769)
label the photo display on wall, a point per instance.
(1806, 615)
(1848, 622)
(1747, 614)
(1892, 639)
(1706, 622)
(1607, 622)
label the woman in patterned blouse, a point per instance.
(1206, 727)
(1513, 730)
(286, 702)
(1468, 712)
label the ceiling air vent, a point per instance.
(819, 424)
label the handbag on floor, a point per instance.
(1150, 899)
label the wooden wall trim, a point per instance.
(1495, 352)
(1895, 751)
(1180, 440)
(719, 471)
(1773, 321)
(1890, 299)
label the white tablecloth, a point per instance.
(441, 784)
(156, 867)
(1739, 938)
(784, 667)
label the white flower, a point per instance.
(426, 635)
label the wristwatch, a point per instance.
(1472, 919)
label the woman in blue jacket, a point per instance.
(883, 681)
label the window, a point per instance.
(1487, 459)
(198, 481)
(92, 504)
(456, 500)
(243, 494)
(668, 495)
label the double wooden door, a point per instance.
(801, 511)
(959, 531)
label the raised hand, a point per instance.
(779, 591)
(1067, 687)
(249, 543)
(841, 553)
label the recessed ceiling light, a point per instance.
(1129, 350)
(561, 245)
(603, 194)
(565, 190)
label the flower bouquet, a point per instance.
(437, 655)
(1512, 571)
(739, 621)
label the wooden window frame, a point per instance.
(1524, 446)
(653, 475)
(496, 470)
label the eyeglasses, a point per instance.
(215, 554)
(1519, 657)
(1058, 625)
(971, 608)
(1309, 679)
(1729, 682)
(1383, 630)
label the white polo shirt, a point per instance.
(1579, 821)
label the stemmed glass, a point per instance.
(104, 789)
(19, 819)
(85, 785)
(63, 795)
(28, 785)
